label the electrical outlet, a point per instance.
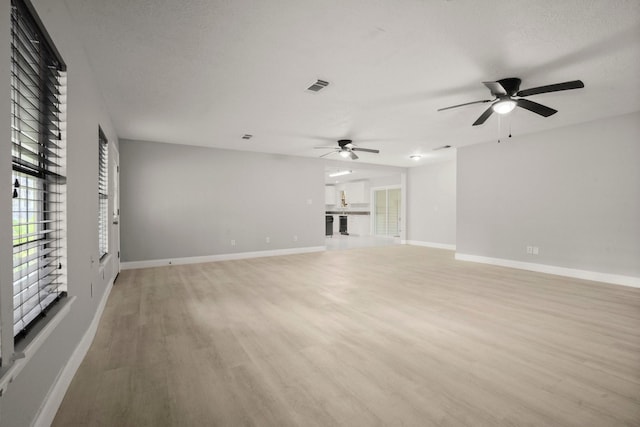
(268, 239)
(233, 242)
(529, 250)
(535, 250)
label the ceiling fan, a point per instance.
(505, 92)
(346, 149)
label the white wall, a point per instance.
(574, 192)
(180, 201)
(23, 399)
(386, 181)
(431, 204)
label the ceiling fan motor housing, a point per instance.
(511, 86)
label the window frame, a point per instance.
(38, 174)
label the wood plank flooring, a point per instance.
(390, 336)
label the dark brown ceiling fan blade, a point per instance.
(495, 88)
(484, 116)
(353, 155)
(366, 150)
(466, 103)
(575, 84)
(534, 107)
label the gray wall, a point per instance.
(25, 395)
(184, 201)
(431, 203)
(574, 192)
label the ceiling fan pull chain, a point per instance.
(499, 127)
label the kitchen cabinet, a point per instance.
(358, 225)
(357, 192)
(329, 195)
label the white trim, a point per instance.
(34, 345)
(615, 279)
(52, 402)
(222, 257)
(432, 245)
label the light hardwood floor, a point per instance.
(385, 336)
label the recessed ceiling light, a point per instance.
(442, 148)
(415, 157)
(339, 173)
(247, 136)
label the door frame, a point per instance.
(114, 204)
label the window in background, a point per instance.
(103, 194)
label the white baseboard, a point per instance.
(431, 245)
(57, 391)
(222, 257)
(615, 279)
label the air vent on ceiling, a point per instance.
(318, 85)
(247, 136)
(442, 148)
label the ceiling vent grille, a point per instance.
(247, 136)
(318, 86)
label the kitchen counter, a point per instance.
(348, 213)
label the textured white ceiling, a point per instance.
(205, 72)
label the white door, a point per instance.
(114, 158)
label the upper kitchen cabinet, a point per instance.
(357, 192)
(329, 195)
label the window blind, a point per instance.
(103, 194)
(38, 174)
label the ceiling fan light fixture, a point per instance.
(345, 153)
(504, 106)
